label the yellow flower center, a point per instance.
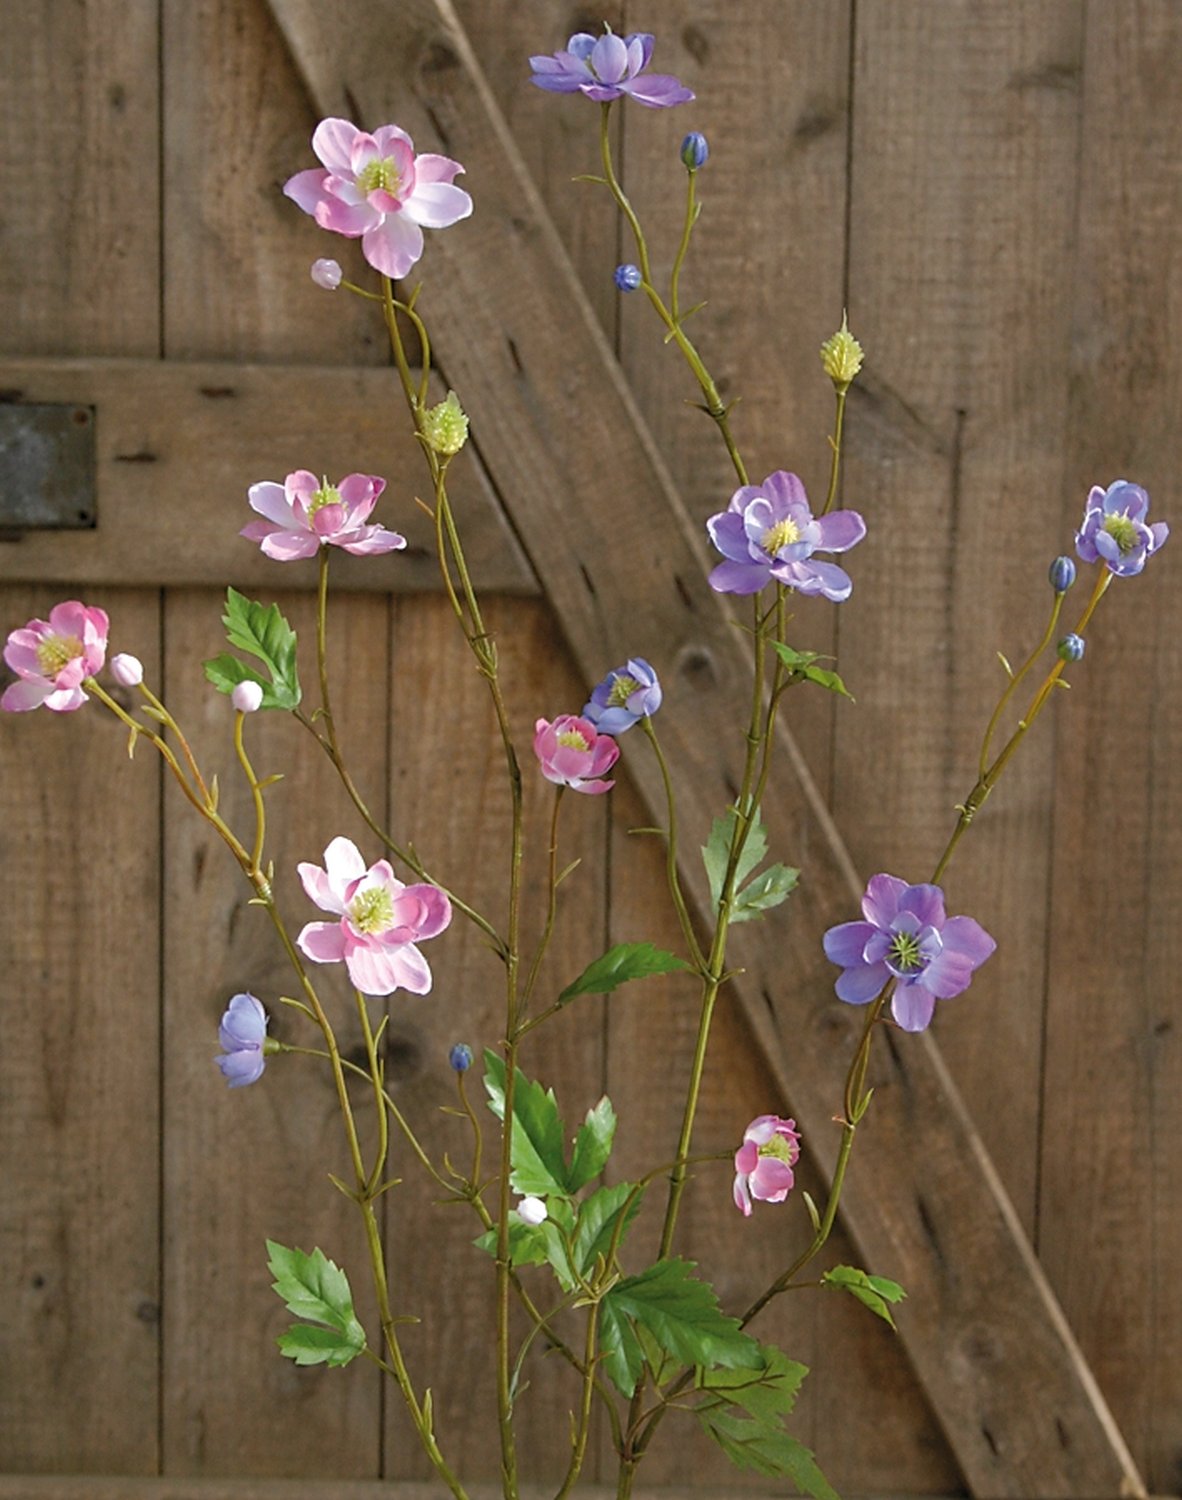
(327, 494)
(782, 534)
(56, 652)
(1122, 531)
(572, 739)
(781, 1148)
(372, 910)
(382, 175)
(622, 689)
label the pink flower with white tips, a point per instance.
(52, 658)
(375, 188)
(303, 514)
(379, 921)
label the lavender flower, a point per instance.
(608, 67)
(769, 532)
(627, 277)
(907, 937)
(625, 696)
(242, 1037)
(1114, 530)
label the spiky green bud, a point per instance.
(446, 427)
(841, 355)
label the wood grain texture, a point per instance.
(1112, 1123)
(179, 443)
(94, 1487)
(520, 402)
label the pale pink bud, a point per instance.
(247, 697)
(327, 274)
(531, 1211)
(127, 670)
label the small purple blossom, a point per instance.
(606, 68)
(1061, 574)
(906, 937)
(768, 532)
(1114, 531)
(695, 150)
(625, 696)
(460, 1057)
(326, 274)
(242, 1037)
(627, 277)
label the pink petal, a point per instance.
(375, 970)
(435, 205)
(21, 653)
(333, 141)
(393, 141)
(322, 942)
(772, 1180)
(271, 500)
(351, 219)
(591, 787)
(358, 491)
(372, 540)
(328, 520)
(290, 546)
(257, 530)
(21, 696)
(66, 700)
(604, 755)
(432, 168)
(435, 909)
(306, 189)
(741, 1196)
(318, 887)
(393, 245)
(345, 866)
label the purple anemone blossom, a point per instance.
(1114, 530)
(609, 67)
(906, 937)
(764, 1162)
(624, 697)
(768, 531)
(242, 1037)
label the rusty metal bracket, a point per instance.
(47, 468)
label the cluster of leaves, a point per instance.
(263, 633)
(803, 667)
(313, 1287)
(752, 897)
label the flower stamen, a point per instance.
(622, 689)
(57, 651)
(381, 175)
(782, 534)
(905, 954)
(571, 739)
(372, 910)
(1123, 532)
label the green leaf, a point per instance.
(619, 964)
(766, 1393)
(801, 664)
(262, 632)
(683, 1315)
(874, 1292)
(312, 1286)
(765, 1447)
(593, 1145)
(598, 1218)
(527, 1244)
(537, 1148)
(716, 852)
(768, 889)
(619, 1348)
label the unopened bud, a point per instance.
(460, 1057)
(327, 274)
(127, 670)
(1062, 574)
(627, 278)
(247, 697)
(841, 355)
(445, 426)
(1071, 647)
(532, 1211)
(695, 150)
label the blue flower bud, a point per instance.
(460, 1057)
(1062, 574)
(1071, 647)
(627, 277)
(695, 150)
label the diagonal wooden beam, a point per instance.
(625, 570)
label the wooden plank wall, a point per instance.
(993, 190)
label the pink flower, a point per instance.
(572, 750)
(375, 187)
(302, 515)
(764, 1162)
(53, 657)
(380, 920)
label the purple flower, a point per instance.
(627, 277)
(769, 532)
(624, 697)
(606, 68)
(1114, 530)
(242, 1036)
(907, 937)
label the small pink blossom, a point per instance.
(127, 670)
(379, 921)
(326, 274)
(53, 657)
(247, 696)
(573, 753)
(764, 1162)
(303, 514)
(376, 188)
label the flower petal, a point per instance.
(913, 1006)
(860, 985)
(840, 530)
(880, 904)
(322, 942)
(435, 205)
(926, 902)
(845, 944)
(393, 245)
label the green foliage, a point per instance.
(313, 1287)
(538, 1148)
(682, 1315)
(766, 890)
(262, 632)
(598, 1219)
(618, 965)
(765, 1392)
(874, 1292)
(802, 665)
(593, 1145)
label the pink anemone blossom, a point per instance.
(379, 921)
(303, 514)
(764, 1162)
(52, 658)
(375, 188)
(573, 753)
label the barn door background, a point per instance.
(993, 192)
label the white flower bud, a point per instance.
(326, 274)
(127, 670)
(247, 697)
(531, 1211)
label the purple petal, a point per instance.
(880, 904)
(609, 59)
(846, 943)
(913, 1006)
(739, 578)
(657, 91)
(858, 986)
(557, 83)
(825, 578)
(728, 532)
(925, 902)
(645, 38)
(1160, 531)
(840, 530)
(241, 1068)
(965, 936)
(581, 45)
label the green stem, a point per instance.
(835, 445)
(671, 873)
(260, 814)
(551, 906)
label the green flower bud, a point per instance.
(445, 426)
(841, 355)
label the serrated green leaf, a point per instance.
(716, 852)
(598, 1218)
(620, 1352)
(768, 889)
(683, 1315)
(802, 664)
(593, 1145)
(874, 1292)
(618, 965)
(312, 1286)
(766, 1448)
(261, 631)
(527, 1245)
(225, 672)
(537, 1147)
(765, 1393)
(309, 1345)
